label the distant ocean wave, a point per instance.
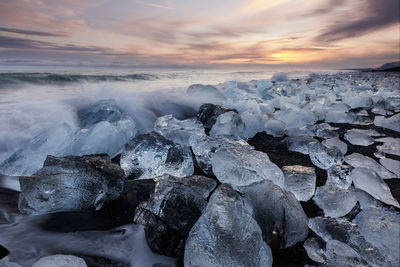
(9, 79)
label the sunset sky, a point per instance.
(318, 33)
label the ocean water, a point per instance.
(33, 101)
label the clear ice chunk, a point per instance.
(278, 213)
(392, 123)
(325, 157)
(340, 176)
(240, 166)
(60, 261)
(359, 139)
(151, 155)
(390, 145)
(203, 148)
(30, 158)
(208, 114)
(178, 131)
(392, 165)
(341, 230)
(300, 180)
(370, 182)
(301, 144)
(370, 132)
(205, 91)
(360, 161)
(71, 184)
(381, 228)
(229, 123)
(226, 235)
(337, 143)
(334, 201)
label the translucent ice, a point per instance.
(370, 182)
(325, 157)
(359, 139)
(278, 213)
(392, 165)
(340, 176)
(240, 166)
(60, 261)
(358, 160)
(226, 235)
(254, 120)
(208, 114)
(381, 228)
(300, 181)
(392, 123)
(151, 155)
(334, 201)
(370, 132)
(30, 158)
(275, 127)
(337, 143)
(203, 148)
(390, 145)
(330, 229)
(205, 91)
(333, 253)
(71, 184)
(301, 144)
(178, 131)
(229, 123)
(172, 210)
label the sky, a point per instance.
(200, 33)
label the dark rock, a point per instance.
(172, 210)
(208, 114)
(3, 252)
(71, 184)
(8, 205)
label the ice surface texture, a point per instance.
(172, 210)
(229, 123)
(151, 155)
(300, 180)
(226, 235)
(60, 261)
(240, 166)
(71, 184)
(208, 114)
(178, 131)
(278, 213)
(334, 201)
(361, 161)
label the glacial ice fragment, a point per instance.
(226, 235)
(172, 210)
(205, 91)
(361, 161)
(60, 261)
(229, 123)
(240, 166)
(208, 114)
(278, 213)
(71, 184)
(334, 201)
(391, 165)
(381, 228)
(301, 144)
(337, 143)
(340, 176)
(300, 180)
(178, 131)
(359, 139)
(392, 123)
(325, 157)
(151, 155)
(338, 229)
(370, 182)
(203, 148)
(390, 145)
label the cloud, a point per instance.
(165, 4)
(20, 43)
(376, 15)
(29, 32)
